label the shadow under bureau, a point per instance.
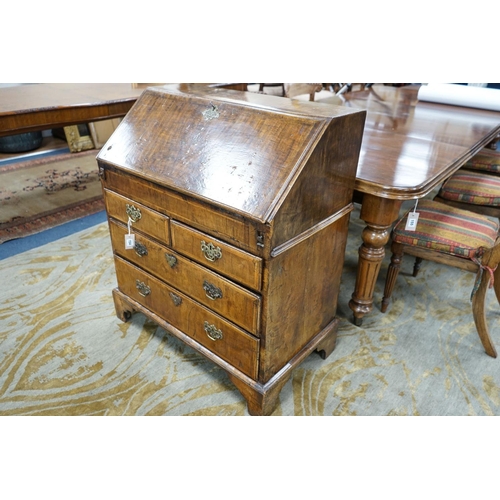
(228, 215)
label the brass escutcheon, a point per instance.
(171, 259)
(210, 251)
(211, 113)
(175, 299)
(211, 291)
(144, 289)
(133, 212)
(140, 249)
(212, 331)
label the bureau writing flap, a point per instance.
(233, 149)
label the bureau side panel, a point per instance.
(325, 184)
(301, 291)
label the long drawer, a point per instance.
(219, 294)
(209, 329)
(215, 254)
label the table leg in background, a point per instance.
(379, 215)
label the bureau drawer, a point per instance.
(241, 266)
(209, 329)
(219, 294)
(144, 219)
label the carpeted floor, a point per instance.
(64, 352)
(41, 193)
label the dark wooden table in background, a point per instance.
(28, 108)
(43, 106)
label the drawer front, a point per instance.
(234, 263)
(219, 294)
(144, 219)
(224, 339)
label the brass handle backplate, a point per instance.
(133, 212)
(212, 331)
(210, 251)
(144, 289)
(211, 291)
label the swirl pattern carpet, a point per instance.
(64, 352)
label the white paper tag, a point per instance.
(129, 237)
(129, 241)
(411, 221)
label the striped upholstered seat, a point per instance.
(455, 237)
(473, 187)
(448, 230)
(487, 161)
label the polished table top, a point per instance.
(42, 106)
(410, 146)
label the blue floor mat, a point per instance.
(16, 246)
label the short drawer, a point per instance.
(219, 294)
(207, 328)
(143, 218)
(232, 262)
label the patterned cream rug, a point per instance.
(42, 193)
(64, 352)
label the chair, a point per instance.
(295, 90)
(262, 86)
(341, 88)
(311, 92)
(475, 186)
(455, 237)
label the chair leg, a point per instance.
(416, 266)
(478, 310)
(496, 283)
(392, 274)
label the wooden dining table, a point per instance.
(409, 148)
(41, 106)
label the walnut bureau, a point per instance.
(228, 215)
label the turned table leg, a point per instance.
(379, 215)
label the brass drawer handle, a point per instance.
(171, 259)
(213, 332)
(211, 291)
(175, 299)
(210, 251)
(133, 212)
(140, 249)
(144, 289)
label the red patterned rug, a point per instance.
(39, 194)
